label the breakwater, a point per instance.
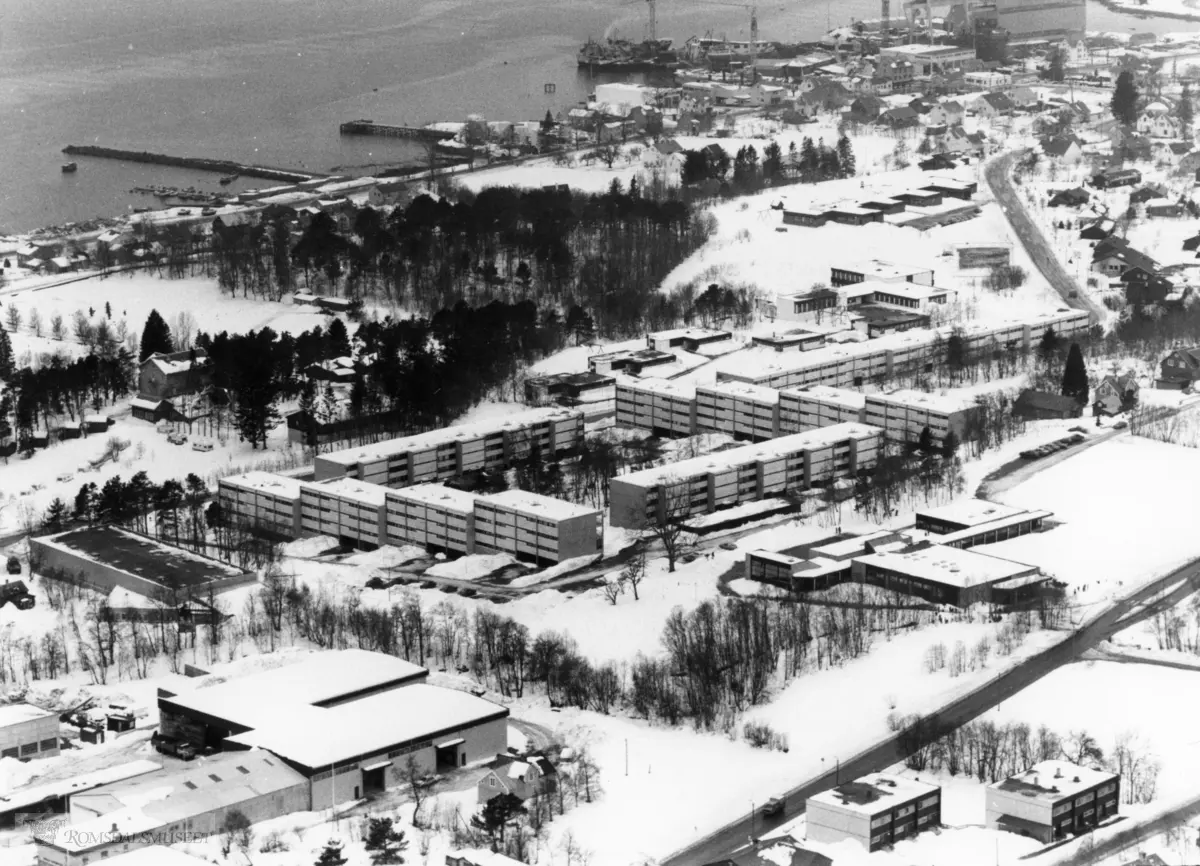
(368, 127)
(221, 166)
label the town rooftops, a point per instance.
(318, 678)
(843, 397)
(951, 566)
(438, 496)
(536, 503)
(772, 448)
(349, 488)
(15, 714)
(873, 794)
(1051, 781)
(265, 482)
(433, 438)
(933, 402)
(970, 512)
(370, 725)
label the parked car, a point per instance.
(184, 211)
(202, 446)
(177, 438)
(773, 807)
(14, 565)
(66, 476)
(729, 545)
(208, 211)
(176, 748)
(1121, 425)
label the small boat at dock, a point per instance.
(228, 179)
(69, 167)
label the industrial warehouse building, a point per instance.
(439, 455)
(945, 575)
(704, 484)
(874, 811)
(55, 797)
(172, 805)
(529, 526)
(345, 720)
(1052, 800)
(28, 732)
(106, 557)
(905, 414)
(877, 360)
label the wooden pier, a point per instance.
(368, 127)
(221, 166)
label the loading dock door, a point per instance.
(375, 778)
(450, 754)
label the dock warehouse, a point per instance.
(360, 712)
(940, 574)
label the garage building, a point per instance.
(28, 732)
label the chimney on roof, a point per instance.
(114, 829)
(1076, 779)
(1058, 772)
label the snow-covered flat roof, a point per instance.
(913, 291)
(433, 438)
(1051, 781)
(318, 678)
(439, 495)
(770, 449)
(744, 390)
(873, 794)
(25, 797)
(883, 270)
(994, 525)
(691, 333)
(266, 482)
(350, 489)
(155, 855)
(950, 566)
(656, 385)
(536, 503)
(15, 714)
(371, 725)
(850, 546)
(827, 394)
(970, 512)
(944, 403)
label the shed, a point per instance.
(1040, 405)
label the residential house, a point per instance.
(1129, 146)
(1158, 121)
(1192, 244)
(1179, 369)
(866, 109)
(164, 375)
(1165, 210)
(992, 105)
(948, 113)
(523, 777)
(898, 118)
(1115, 394)
(58, 265)
(958, 140)
(1065, 148)
(826, 95)
(1041, 405)
(1023, 97)
(1113, 256)
(1114, 177)
(1074, 197)
(332, 370)
(1145, 287)
(1080, 112)
(1143, 194)
(1098, 229)
(938, 162)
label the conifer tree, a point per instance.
(331, 855)
(1187, 113)
(7, 367)
(1075, 377)
(1124, 99)
(845, 154)
(156, 337)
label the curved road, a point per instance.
(998, 174)
(1138, 605)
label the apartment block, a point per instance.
(782, 465)
(530, 526)
(740, 410)
(818, 406)
(904, 414)
(432, 516)
(263, 500)
(660, 406)
(875, 811)
(439, 455)
(877, 360)
(343, 508)
(1052, 800)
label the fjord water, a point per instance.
(268, 81)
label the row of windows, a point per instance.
(27, 749)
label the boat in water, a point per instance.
(228, 179)
(621, 55)
(69, 167)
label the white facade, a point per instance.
(528, 525)
(905, 414)
(432, 516)
(262, 499)
(874, 811)
(656, 405)
(27, 732)
(819, 406)
(740, 410)
(343, 508)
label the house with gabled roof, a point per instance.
(1063, 147)
(1179, 369)
(1113, 256)
(866, 109)
(993, 105)
(523, 777)
(1115, 394)
(1098, 229)
(169, 374)
(897, 118)
(1073, 197)
(948, 113)
(1145, 193)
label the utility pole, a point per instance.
(653, 21)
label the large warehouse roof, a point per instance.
(371, 725)
(259, 698)
(15, 714)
